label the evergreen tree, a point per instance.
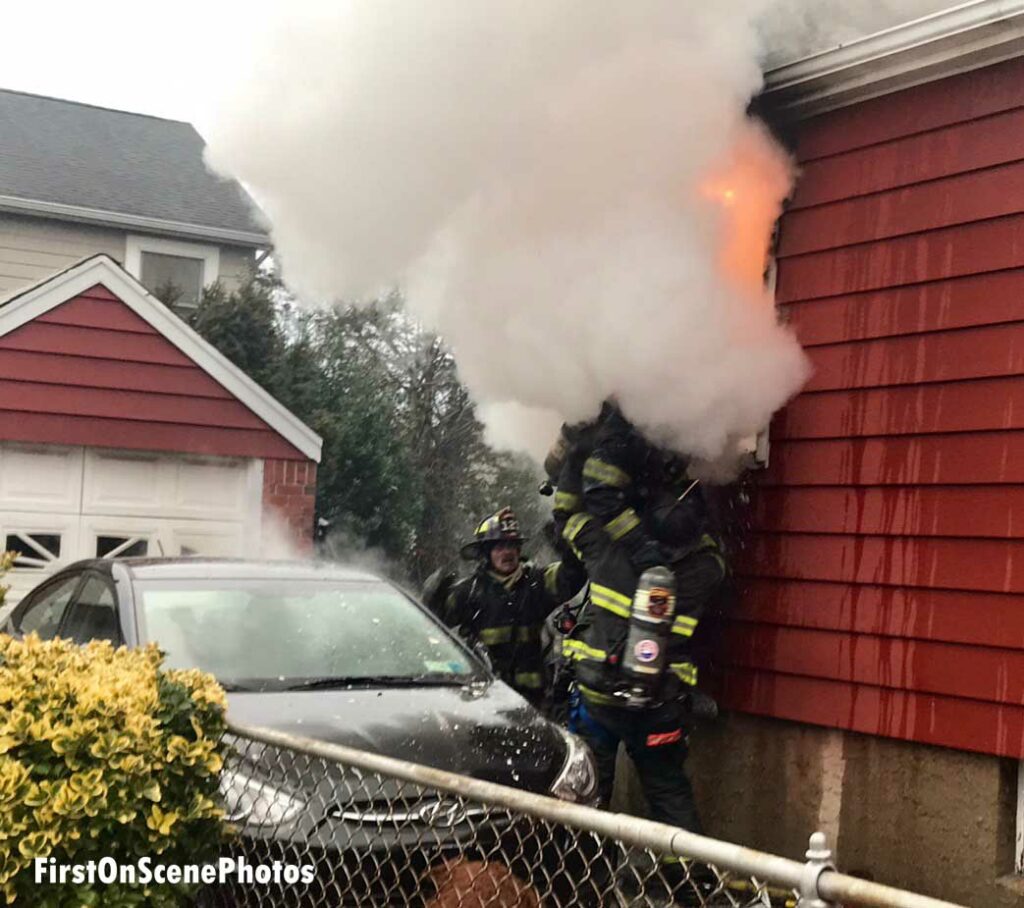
(405, 468)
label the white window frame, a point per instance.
(135, 245)
(756, 449)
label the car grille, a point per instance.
(435, 813)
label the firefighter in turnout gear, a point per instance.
(639, 524)
(503, 604)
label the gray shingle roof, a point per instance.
(61, 152)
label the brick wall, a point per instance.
(289, 495)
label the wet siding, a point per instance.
(883, 589)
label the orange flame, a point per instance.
(748, 189)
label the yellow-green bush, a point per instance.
(104, 753)
(6, 563)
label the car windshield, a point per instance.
(289, 635)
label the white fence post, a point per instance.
(819, 859)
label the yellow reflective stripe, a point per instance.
(528, 679)
(577, 649)
(621, 525)
(490, 636)
(684, 625)
(609, 599)
(685, 672)
(606, 473)
(528, 632)
(707, 541)
(567, 501)
(596, 697)
(573, 527)
(612, 607)
(574, 524)
(551, 578)
(709, 545)
(613, 595)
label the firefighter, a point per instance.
(639, 524)
(503, 604)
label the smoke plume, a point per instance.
(569, 191)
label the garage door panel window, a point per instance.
(36, 551)
(121, 546)
(43, 612)
(93, 616)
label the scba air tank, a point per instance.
(650, 627)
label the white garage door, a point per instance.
(58, 505)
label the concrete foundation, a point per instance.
(939, 822)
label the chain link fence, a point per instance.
(320, 825)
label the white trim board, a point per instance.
(963, 38)
(77, 213)
(101, 269)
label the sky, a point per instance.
(164, 59)
(169, 59)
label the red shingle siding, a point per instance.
(92, 372)
(884, 582)
(289, 495)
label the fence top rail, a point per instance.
(635, 831)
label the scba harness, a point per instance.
(641, 661)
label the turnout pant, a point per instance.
(655, 740)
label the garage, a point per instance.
(122, 433)
(61, 504)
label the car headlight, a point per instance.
(255, 802)
(578, 779)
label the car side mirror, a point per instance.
(481, 652)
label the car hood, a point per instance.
(490, 734)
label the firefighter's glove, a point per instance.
(647, 555)
(699, 705)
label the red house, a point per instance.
(875, 663)
(122, 432)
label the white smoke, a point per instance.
(568, 191)
(798, 28)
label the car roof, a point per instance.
(190, 568)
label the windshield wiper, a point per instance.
(233, 687)
(352, 681)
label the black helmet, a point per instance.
(499, 527)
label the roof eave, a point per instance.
(966, 37)
(31, 302)
(98, 217)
